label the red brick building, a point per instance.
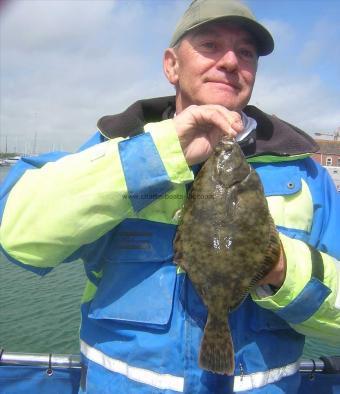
(329, 156)
(329, 153)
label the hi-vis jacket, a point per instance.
(115, 204)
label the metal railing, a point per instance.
(323, 365)
(41, 360)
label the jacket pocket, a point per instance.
(289, 198)
(139, 277)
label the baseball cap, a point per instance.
(201, 12)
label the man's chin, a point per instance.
(231, 105)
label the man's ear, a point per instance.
(170, 65)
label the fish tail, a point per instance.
(217, 352)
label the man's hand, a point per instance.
(201, 127)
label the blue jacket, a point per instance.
(142, 320)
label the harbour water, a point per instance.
(40, 314)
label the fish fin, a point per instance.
(178, 253)
(239, 301)
(217, 351)
(274, 247)
(271, 256)
(177, 247)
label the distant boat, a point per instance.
(10, 161)
(4, 163)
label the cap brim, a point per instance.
(263, 39)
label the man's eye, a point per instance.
(209, 45)
(247, 54)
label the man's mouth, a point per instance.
(231, 85)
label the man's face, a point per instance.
(214, 64)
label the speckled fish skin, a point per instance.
(226, 242)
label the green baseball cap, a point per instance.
(201, 12)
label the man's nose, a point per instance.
(228, 61)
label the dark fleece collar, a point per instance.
(272, 136)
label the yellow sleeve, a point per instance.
(51, 212)
(309, 299)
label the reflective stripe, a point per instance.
(260, 379)
(337, 300)
(161, 381)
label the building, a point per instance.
(334, 172)
(329, 156)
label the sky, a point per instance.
(66, 63)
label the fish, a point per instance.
(226, 241)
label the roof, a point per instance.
(328, 147)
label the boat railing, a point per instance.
(321, 365)
(41, 360)
(42, 373)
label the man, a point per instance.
(116, 203)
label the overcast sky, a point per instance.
(65, 63)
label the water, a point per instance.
(3, 172)
(40, 314)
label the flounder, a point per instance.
(226, 242)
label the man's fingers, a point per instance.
(199, 128)
(233, 118)
(228, 122)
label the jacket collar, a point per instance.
(272, 135)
